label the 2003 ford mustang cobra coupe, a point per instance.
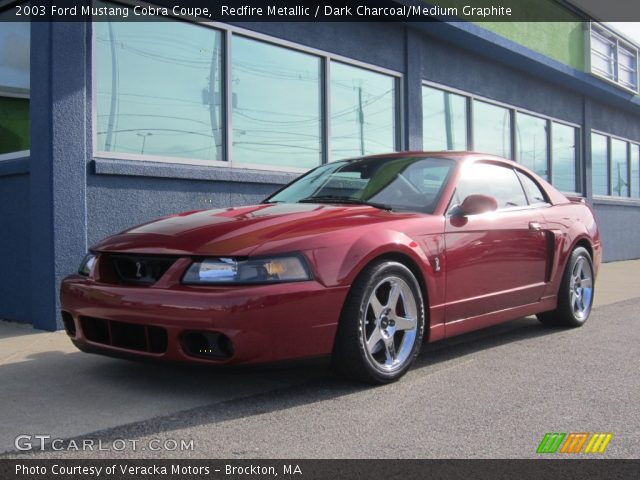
(362, 259)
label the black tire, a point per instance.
(568, 313)
(352, 357)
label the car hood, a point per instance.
(240, 231)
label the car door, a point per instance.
(496, 260)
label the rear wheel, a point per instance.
(382, 325)
(575, 297)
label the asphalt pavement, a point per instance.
(489, 394)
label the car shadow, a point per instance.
(111, 398)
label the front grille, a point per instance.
(139, 269)
(132, 336)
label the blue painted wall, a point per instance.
(118, 201)
(15, 259)
(620, 227)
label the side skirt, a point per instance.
(486, 320)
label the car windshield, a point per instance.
(402, 184)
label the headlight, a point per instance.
(254, 270)
(87, 264)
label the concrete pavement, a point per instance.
(50, 388)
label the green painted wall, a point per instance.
(557, 33)
(561, 41)
(14, 124)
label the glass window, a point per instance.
(276, 105)
(15, 40)
(363, 111)
(599, 164)
(627, 68)
(406, 184)
(159, 89)
(635, 170)
(532, 142)
(496, 181)
(535, 195)
(619, 168)
(491, 129)
(444, 120)
(603, 54)
(564, 154)
(613, 59)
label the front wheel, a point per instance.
(382, 325)
(575, 297)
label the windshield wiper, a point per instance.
(347, 200)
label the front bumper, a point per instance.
(264, 323)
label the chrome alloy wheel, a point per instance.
(581, 289)
(390, 324)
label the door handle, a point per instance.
(535, 226)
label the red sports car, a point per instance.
(360, 259)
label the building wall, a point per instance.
(620, 227)
(455, 67)
(15, 260)
(563, 41)
(136, 193)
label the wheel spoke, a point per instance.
(575, 302)
(404, 323)
(373, 340)
(390, 350)
(586, 282)
(578, 269)
(376, 306)
(394, 295)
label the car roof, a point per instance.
(458, 156)
(468, 156)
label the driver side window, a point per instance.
(494, 180)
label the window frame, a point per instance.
(227, 32)
(618, 43)
(629, 145)
(514, 111)
(24, 94)
(467, 109)
(451, 206)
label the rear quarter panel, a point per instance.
(571, 223)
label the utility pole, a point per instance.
(361, 119)
(448, 120)
(144, 140)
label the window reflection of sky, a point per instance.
(531, 141)
(276, 112)
(158, 89)
(492, 129)
(15, 41)
(564, 154)
(444, 120)
(600, 173)
(159, 94)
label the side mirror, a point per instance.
(475, 204)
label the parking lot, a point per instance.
(492, 393)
